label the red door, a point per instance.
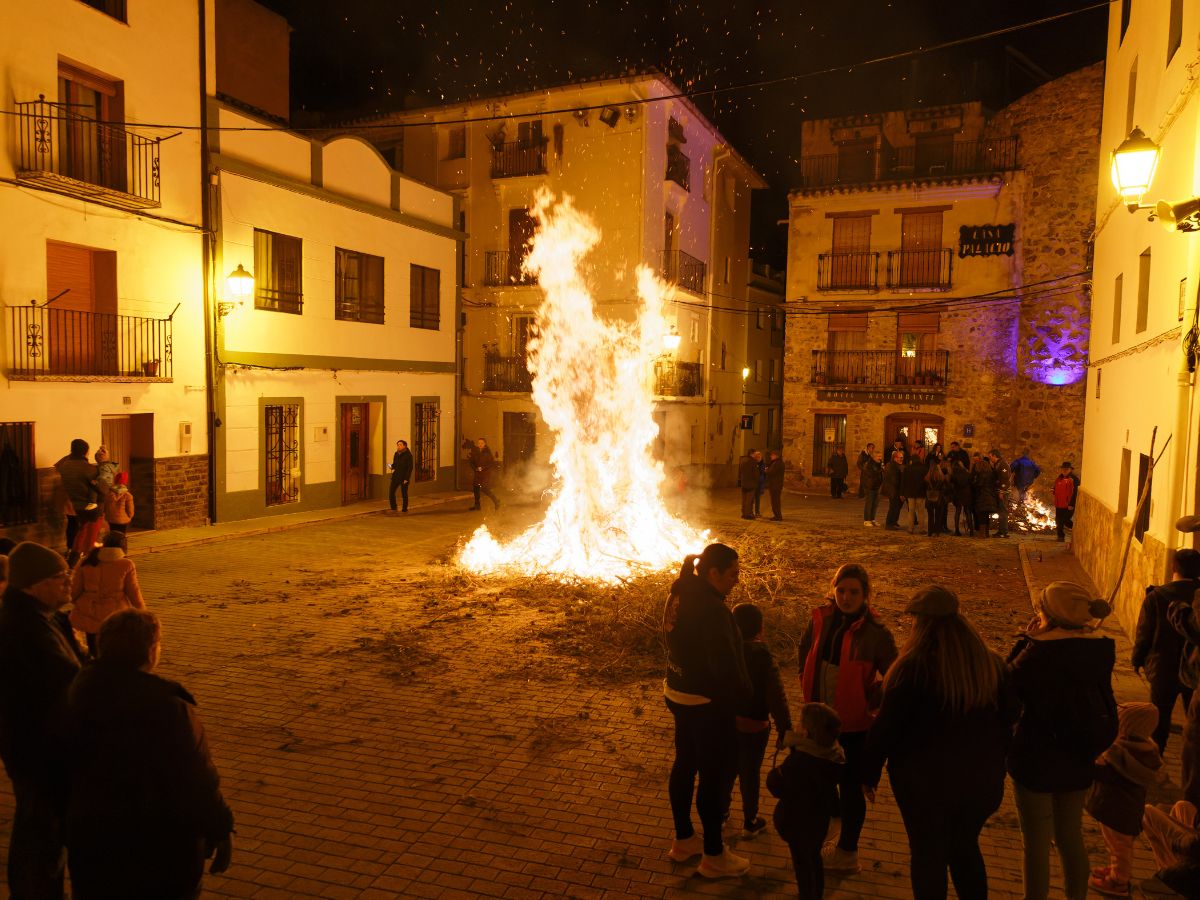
(355, 456)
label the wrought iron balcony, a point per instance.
(852, 270)
(51, 344)
(72, 154)
(678, 379)
(880, 368)
(910, 163)
(507, 374)
(684, 269)
(920, 269)
(679, 167)
(503, 267)
(516, 158)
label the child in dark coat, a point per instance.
(754, 727)
(1117, 799)
(807, 787)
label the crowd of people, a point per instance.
(947, 716)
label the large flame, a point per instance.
(593, 382)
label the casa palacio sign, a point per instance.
(985, 240)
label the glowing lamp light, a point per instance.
(671, 341)
(745, 372)
(240, 284)
(1133, 165)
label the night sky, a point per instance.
(355, 57)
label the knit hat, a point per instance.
(933, 601)
(1072, 605)
(821, 723)
(30, 563)
(1137, 720)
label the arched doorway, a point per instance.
(912, 427)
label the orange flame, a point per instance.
(593, 382)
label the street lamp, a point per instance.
(1133, 165)
(239, 285)
(745, 372)
(671, 340)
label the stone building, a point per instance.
(937, 278)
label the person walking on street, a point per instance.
(402, 467)
(77, 474)
(39, 658)
(774, 473)
(838, 468)
(958, 453)
(1182, 616)
(1065, 486)
(871, 481)
(748, 481)
(1001, 480)
(106, 582)
(893, 475)
(864, 456)
(1024, 473)
(706, 683)
(483, 464)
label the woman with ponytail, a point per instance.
(706, 678)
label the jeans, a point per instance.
(752, 748)
(748, 504)
(945, 835)
(893, 513)
(484, 489)
(916, 506)
(1164, 699)
(869, 505)
(36, 854)
(706, 751)
(853, 804)
(1057, 817)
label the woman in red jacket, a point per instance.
(843, 656)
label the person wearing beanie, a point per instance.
(118, 504)
(1060, 671)
(1117, 799)
(39, 658)
(943, 729)
(1158, 647)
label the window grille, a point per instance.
(426, 441)
(277, 272)
(283, 453)
(18, 475)
(424, 298)
(358, 287)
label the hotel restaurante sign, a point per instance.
(875, 394)
(985, 240)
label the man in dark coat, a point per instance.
(39, 658)
(864, 456)
(838, 468)
(958, 453)
(402, 466)
(77, 473)
(1002, 482)
(893, 475)
(774, 472)
(748, 481)
(482, 465)
(1024, 473)
(145, 806)
(913, 489)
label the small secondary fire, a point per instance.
(593, 382)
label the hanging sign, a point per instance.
(985, 240)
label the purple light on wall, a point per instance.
(1057, 375)
(1057, 347)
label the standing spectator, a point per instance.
(761, 487)
(483, 464)
(774, 473)
(77, 475)
(844, 653)
(1158, 647)
(864, 456)
(912, 486)
(1173, 833)
(402, 467)
(1025, 472)
(104, 584)
(706, 682)
(937, 496)
(39, 658)
(838, 468)
(1061, 672)
(901, 445)
(959, 454)
(118, 504)
(871, 481)
(893, 475)
(1000, 469)
(145, 806)
(943, 728)
(983, 493)
(960, 493)
(1181, 614)
(748, 481)
(1065, 486)
(807, 787)
(767, 701)
(937, 454)
(1117, 799)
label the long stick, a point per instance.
(1138, 512)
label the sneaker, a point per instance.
(1108, 886)
(750, 829)
(685, 849)
(726, 865)
(867, 524)
(835, 859)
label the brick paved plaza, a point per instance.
(387, 730)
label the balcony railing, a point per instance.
(880, 368)
(69, 345)
(679, 167)
(503, 267)
(508, 374)
(684, 269)
(516, 158)
(920, 269)
(853, 270)
(905, 163)
(678, 379)
(75, 155)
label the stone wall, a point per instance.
(180, 491)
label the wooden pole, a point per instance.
(1145, 496)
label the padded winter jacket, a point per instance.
(109, 586)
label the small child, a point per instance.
(807, 787)
(118, 504)
(1117, 798)
(106, 474)
(754, 727)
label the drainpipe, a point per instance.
(207, 238)
(1184, 444)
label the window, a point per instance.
(771, 427)
(90, 151)
(1143, 520)
(529, 134)
(856, 160)
(852, 265)
(19, 487)
(358, 287)
(425, 440)
(1118, 290)
(1123, 484)
(758, 370)
(424, 298)
(1143, 298)
(276, 272)
(282, 434)
(1174, 29)
(79, 330)
(114, 8)
(456, 142)
(760, 318)
(773, 373)
(523, 329)
(1131, 98)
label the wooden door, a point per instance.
(355, 453)
(920, 249)
(852, 261)
(911, 427)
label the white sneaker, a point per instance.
(726, 865)
(683, 850)
(835, 859)
(867, 523)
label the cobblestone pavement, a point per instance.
(376, 741)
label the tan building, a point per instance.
(936, 279)
(665, 189)
(765, 334)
